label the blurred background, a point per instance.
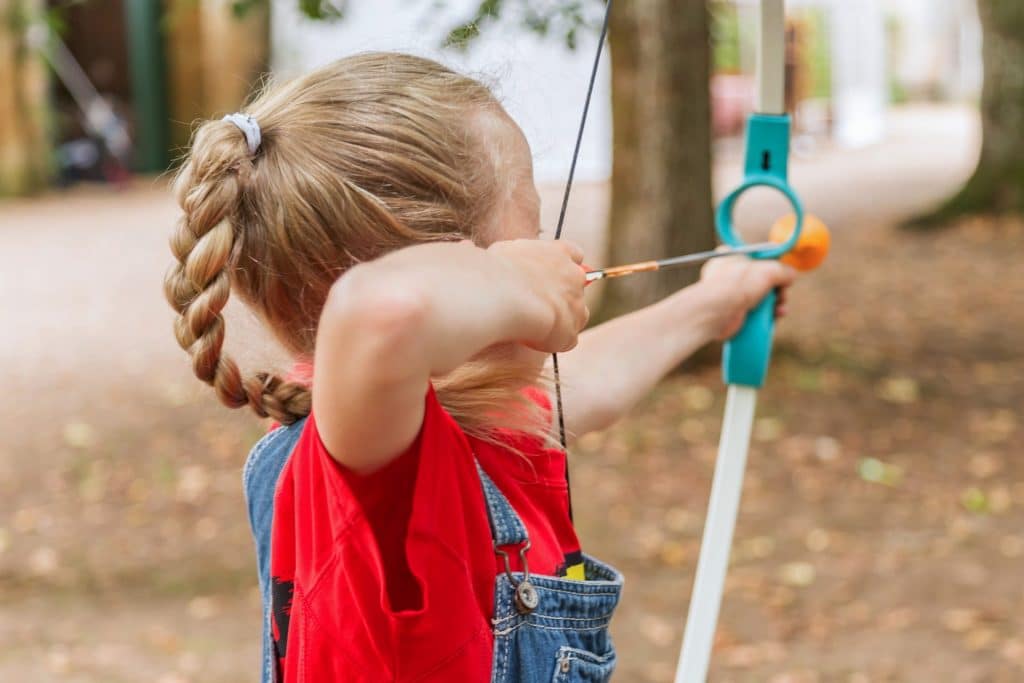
(880, 537)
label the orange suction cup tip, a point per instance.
(812, 247)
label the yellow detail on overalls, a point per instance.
(576, 572)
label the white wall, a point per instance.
(860, 90)
(541, 82)
(940, 46)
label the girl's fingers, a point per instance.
(783, 275)
(574, 252)
(584, 318)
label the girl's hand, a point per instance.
(731, 286)
(550, 273)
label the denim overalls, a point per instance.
(259, 478)
(546, 629)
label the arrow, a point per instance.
(675, 261)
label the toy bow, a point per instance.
(746, 356)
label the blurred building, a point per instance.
(849, 61)
(539, 80)
(158, 65)
(93, 77)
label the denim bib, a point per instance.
(546, 629)
(259, 479)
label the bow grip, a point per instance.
(746, 356)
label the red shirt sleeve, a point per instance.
(384, 498)
(388, 498)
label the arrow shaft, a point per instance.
(674, 261)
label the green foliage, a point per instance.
(320, 10)
(565, 19)
(819, 52)
(725, 36)
(17, 17)
(974, 500)
(875, 471)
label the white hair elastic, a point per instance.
(249, 128)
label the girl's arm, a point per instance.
(389, 325)
(617, 363)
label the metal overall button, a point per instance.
(526, 596)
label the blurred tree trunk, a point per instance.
(25, 153)
(217, 60)
(661, 173)
(998, 182)
(235, 52)
(185, 81)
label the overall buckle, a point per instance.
(526, 595)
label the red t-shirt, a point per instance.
(390, 576)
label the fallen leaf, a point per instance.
(673, 554)
(817, 540)
(1013, 650)
(756, 548)
(754, 654)
(192, 483)
(661, 632)
(698, 397)
(1011, 546)
(899, 390)
(961, 620)
(898, 619)
(190, 662)
(58, 660)
(999, 499)
(974, 500)
(203, 608)
(983, 466)
(826, 448)
(43, 561)
(79, 434)
(797, 574)
(980, 639)
(767, 429)
(877, 472)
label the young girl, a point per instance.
(412, 514)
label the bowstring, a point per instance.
(561, 221)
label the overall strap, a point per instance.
(506, 527)
(259, 479)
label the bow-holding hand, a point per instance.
(730, 287)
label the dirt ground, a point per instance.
(881, 536)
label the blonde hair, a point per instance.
(369, 154)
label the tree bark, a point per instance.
(235, 51)
(25, 151)
(661, 173)
(185, 84)
(998, 182)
